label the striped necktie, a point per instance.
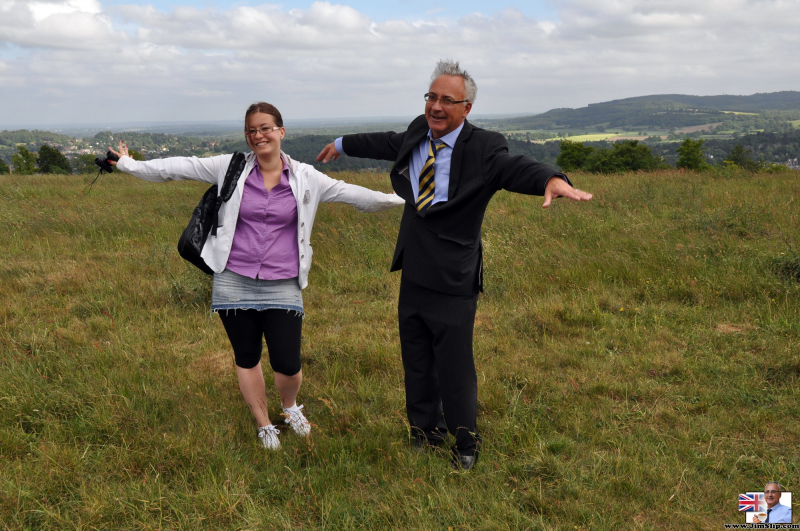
(427, 183)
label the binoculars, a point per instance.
(103, 163)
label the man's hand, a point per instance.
(328, 153)
(558, 187)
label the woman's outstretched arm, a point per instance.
(172, 168)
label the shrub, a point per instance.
(85, 164)
(624, 156)
(24, 161)
(692, 155)
(740, 156)
(51, 160)
(573, 155)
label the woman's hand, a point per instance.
(123, 152)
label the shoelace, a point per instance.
(271, 428)
(265, 433)
(296, 419)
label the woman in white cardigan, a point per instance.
(261, 254)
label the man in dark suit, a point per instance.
(447, 171)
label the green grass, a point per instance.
(636, 355)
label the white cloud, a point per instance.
(330, 60)
(72, 24)
(43, 10)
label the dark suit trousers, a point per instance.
(436, 344)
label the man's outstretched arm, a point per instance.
(379, 146)
(521, 174)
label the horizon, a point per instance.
(302, 122)
(315, 122)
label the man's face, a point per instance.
(441, 119)
(772, 495)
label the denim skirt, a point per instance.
(233, 291)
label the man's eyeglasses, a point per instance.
(772, 492)
(443, 101)
(263, 130)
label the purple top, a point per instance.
(265, 241)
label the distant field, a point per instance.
(795, 123)
(694, 129)
(742, 113)
(637, 362)
(612, 136)
(593, 137)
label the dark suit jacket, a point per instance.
(440, 248)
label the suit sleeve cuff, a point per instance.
(561, 175)
(339, 147)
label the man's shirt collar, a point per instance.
(450, 138)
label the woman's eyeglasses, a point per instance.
(263, 130)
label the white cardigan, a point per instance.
(309, 186)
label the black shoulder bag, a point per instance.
(205, 217)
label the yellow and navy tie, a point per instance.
(427, 183)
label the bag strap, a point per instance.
(235, 169)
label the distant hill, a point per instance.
(772, 101)
(9, 140)
(665, 111)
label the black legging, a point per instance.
(281, 329)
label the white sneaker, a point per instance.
(269, 437)
(296, 419)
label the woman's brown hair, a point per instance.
(266, 108)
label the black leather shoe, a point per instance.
(464, 462)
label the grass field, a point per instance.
(637, 359)
(593, 137)
(741, 113)
(596, 137)
(579, 137)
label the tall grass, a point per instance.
(637, 362)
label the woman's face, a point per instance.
(262, 137)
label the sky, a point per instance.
(86, 61)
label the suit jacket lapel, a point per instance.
(455, 160)
(416, 132)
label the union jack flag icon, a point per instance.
(752, 501)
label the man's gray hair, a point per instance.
(773, 483)
(448, 67)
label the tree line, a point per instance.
(630, 155)
(747, 153)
